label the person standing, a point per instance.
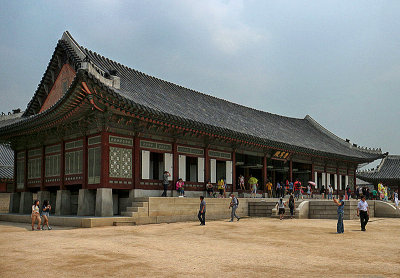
(179, 187)
(269, 189)
(348, 192)
(396, 198)
(292, 206)
(202, 211)
(278, 189)
(322, 192)
(166, 175)
(234, 205)
(46, 214)
(363, 212)
(308, 191)
(35, 216)
(330, 192)
(340, 213)
(241, 183)
(290, 188)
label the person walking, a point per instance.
(292, 206)
(202, 211)
(363, 212)
(281, 208)
(253, 182)
(166, 175)
(340, 213)
(35, 216)
(46, 214)
(234, 205)
(396, 198)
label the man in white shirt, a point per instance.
(363, 212)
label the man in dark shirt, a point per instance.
(166, 175)
(340, 213)
(202, 211)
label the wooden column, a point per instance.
(26, 172)
(175, 163)
(105, 161)
(355, 179)
(43, 169)
(62, 163)
(312, 173)
(207, 164)
(264, 172)
(234, 180)
(290, 170)
(136, 162)
(337, 181)
(15, 170)
(84, 162)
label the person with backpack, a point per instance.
(292, 206)
(281, 208)
(234, 205)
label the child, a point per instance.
(179, 187)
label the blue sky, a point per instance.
(338, 61)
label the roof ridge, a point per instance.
(185, 88)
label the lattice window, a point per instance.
(73, 162)
(120, 163)
(52, 165)
(34, 168)
(20, 170)
(94, 165)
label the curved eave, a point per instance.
(145, 113)
(67, 106)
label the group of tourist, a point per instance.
(281, 206)
(36, 215)
(362, 212)
(234, 204)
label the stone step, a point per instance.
(139, 204)
(124, 223)
(141, 199)
(137, 209)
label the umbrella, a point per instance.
(312, 183)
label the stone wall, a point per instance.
(4, 202)
(327, 209)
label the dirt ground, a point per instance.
(256, 247)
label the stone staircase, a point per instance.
(138, 212)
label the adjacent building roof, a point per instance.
(388, 169)
(160, 97)
(6, 162)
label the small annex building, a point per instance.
(387, 173)
(97, 132)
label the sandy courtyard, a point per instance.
(257, 247)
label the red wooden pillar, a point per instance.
(207, 164)
(62, 164)
(105, 153)
(175, 162)
(264, 172)
(290, 170)
(85, 162)
(43, 169)
(136, 162)
(355, 179)
(26, 172)
(15, 170)
(234, 180)
(312, 173)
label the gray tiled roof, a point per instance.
(6, 162)
(174, 101)
(388, 169)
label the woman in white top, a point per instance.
(396, 198)
(35, 215)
